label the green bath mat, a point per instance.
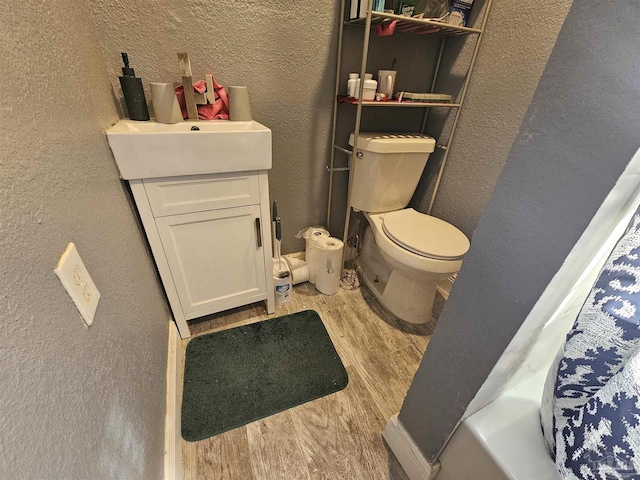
(236, 376)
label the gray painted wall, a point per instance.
(284, 52)
(286, 56)
(579, 133)
(76, 402)
(513, 54)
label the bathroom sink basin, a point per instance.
(151, 150)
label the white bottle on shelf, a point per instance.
(370, 87)
(351, 85)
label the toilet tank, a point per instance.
(388, 173)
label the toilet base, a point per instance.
(407, 298)
(414, 303)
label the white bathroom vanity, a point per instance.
(201, 189)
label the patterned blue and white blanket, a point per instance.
(591, 405)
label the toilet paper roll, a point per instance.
(294, 262)
(327, 264)
(300, 275)
(310, 249)
(299, 270)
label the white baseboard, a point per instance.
(413, 462)
(444, 286)
(172, 433)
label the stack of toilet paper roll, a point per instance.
(327, 263)
(323, 259)
(311, 234)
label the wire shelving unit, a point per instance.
(412, 25)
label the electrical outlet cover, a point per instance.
(76, 280)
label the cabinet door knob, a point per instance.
(258, 232)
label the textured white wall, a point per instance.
(76, 402)
(517, 43)
(283, 51)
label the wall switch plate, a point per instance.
(76, 280)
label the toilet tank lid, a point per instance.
(394, 142)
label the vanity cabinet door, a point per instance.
(215, 257)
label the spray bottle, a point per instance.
(133, 92)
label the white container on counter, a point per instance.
(282, 281)
(351, 84)
(370, 87)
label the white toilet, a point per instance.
(405, 253)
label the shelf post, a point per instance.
(356, 133)
(433, 82)
(335, 111)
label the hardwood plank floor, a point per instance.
(334, 437)
(223, 457)
(275, 450)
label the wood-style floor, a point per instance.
(334, 437)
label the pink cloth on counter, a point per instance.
(200, 86)
(219, 110)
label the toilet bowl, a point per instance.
(404, 253)
(403, 273)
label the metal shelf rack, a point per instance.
(412, 25)
(367, 103)
(420, 26)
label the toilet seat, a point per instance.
(425, 235)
